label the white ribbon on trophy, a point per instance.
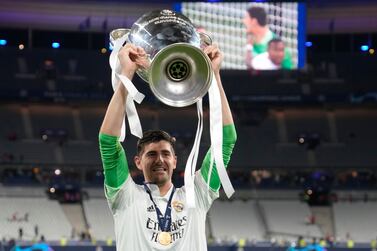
(216, 132)
(133, 93)
(216, 135)
(193, 158)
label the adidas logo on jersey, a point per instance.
(151, 209)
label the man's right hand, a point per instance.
(131, 57)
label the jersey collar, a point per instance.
(156, 191)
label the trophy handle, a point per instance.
(118, 33)
(205, 40)
(143, 69)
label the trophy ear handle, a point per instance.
(118, 33)
(205, 40)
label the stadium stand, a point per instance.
(14, 126)
(77, 152)
(26, 213)
(306, 121)
(29, 151)
(260, 142)
(356, 220)
(52, 117)
(101, 228)
(245, 220)
(288, 218)
(91, 119)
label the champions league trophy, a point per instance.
(177, 70)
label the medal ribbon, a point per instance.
(164, 221)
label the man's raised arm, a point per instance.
(229, 131)
(112, 153)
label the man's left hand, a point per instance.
(215, 55)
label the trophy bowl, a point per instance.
(179, 73)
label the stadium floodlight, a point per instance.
(57, 172)
(55, 45)
(3, 42)
(364, 47)
(301, 140)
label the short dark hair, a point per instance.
(258, 13)
(153, 136)
(275, 40)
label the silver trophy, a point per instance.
(177, 70)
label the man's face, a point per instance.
(276, 52)
(157, 162)
(249, 23)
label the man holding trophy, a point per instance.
(155, 216)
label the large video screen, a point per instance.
(253, 35)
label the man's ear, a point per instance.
(137, 161)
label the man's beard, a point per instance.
(159, 179)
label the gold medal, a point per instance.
(164, 238)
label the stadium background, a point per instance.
(304, 164)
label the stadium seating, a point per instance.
(261, 138)
(288, 218)
(239, 216)
(99, 218)
(356, 219)
(11, 114)
(91, 119)
(52, 117)
(30, 151)
(26, 213)
(306, 121)
(84, 153)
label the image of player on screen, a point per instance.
(258, 36)
(272, 59)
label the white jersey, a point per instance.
(136, 223)
(263, 62)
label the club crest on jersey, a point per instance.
(177, 205)
(151, 209)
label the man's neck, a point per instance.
(164, 189)
(260, 34)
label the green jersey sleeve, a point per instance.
(114, 162)
(229, 140)
(287, 63)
